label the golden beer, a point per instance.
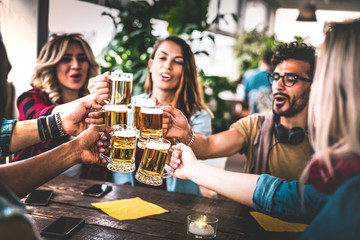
(138, 103)
(115, 114)
(153, 162)
(120, 87)
(122, 149)
(151, 119)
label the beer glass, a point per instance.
(120, 88)
(138, 103)
(151, 119)
(115, 114)
(152, 165)
(122, 149)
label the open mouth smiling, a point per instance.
(165, 76)
(280, 99)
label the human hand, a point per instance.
(99, 87)
(91, 142)
(103, 144)
(75, 115)
(183, 161)
(176, 125)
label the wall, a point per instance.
(19, 31)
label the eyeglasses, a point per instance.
(288, 79)
(55, 35)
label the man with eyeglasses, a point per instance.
(274, 143)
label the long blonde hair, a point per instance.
(189, 95)
(44, 76)
(334, 116)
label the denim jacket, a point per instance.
(334, 216)
(5, 136)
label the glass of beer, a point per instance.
(122, 149)
(151, 120)
(115, 114)
(120, 88)
(152, 165)
(138, 103)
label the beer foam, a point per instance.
(125, 133)
(119, 76)
(144, 102)
(116, 108)
(158, 145)
(151, 110)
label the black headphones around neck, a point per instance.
(293, 136)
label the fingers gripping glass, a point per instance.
(288, 79)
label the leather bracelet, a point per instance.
(45, 127)
(52, 125)
(192, 138)
(59, 124)
(40, 130)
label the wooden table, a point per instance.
(234, 220)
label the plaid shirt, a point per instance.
(7, 127)
(34, 104)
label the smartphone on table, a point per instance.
(97, 190)
(39, 197)
(62, 227)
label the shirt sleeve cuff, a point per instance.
(5, 136)
(265, 190)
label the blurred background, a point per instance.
(227, 36)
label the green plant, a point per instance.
(132, 44)
(250, 46)
(213, 85)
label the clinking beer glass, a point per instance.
(115, 114)
(122, 149)
(151, 120)
(120, 87)
(138, 103)
(152, 165)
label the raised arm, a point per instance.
(75, 117)
(236, 186)
(221, 144)
(24, 176)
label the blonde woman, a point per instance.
(63, 69)
(328, 195)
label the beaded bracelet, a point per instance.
(192, 138)
(59, 124)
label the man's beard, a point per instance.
(296, 105)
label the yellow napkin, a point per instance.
(271, 224)
(132, 208)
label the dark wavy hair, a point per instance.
(294, 50)
(189, 95)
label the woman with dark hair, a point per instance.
(172, 80)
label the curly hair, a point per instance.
(44, 76)
(294, 50)
(189, 95)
